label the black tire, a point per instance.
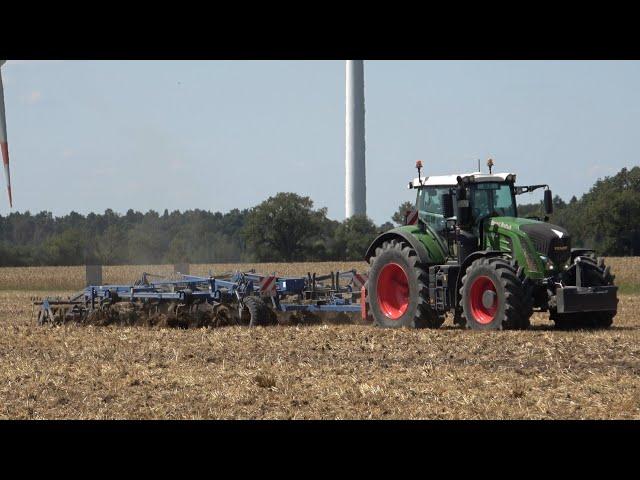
(413, 309)
(595, 274)
(256, 313)
(512, 304)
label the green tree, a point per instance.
(558, 203)
(111, 246)
(607, 216)
(146, 243)
(281, 227)
(66, 248)
(399, 216)
(353, 237)
(385, 227)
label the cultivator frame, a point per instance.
(212, 300)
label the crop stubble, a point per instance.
(310, 372)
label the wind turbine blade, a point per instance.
(4, 146)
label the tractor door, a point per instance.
(429, 204)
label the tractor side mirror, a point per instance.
(447, 205)
(548, 202)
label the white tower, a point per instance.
(355, 180)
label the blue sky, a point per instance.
(217, 135)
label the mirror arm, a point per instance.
(529, 189)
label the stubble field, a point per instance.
(328, 371)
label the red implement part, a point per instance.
(363, 302)
(268, 286)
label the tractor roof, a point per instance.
(450, 180)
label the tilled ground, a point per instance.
(327, 371)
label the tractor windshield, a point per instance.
(493, 199)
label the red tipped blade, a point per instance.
(5, 159)
(4, 146)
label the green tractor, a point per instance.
(465, 251)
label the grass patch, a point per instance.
(629, 289)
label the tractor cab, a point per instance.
(478, 211)
(457, 206)
(471, 198)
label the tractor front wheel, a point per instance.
(494, 297)
(397, 289)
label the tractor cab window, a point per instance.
(430, 206)
(490, 198)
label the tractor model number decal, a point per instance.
(506, 226)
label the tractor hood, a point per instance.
(552, 241)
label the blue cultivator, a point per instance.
(242, 298)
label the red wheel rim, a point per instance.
(484, 300)
(393, 291)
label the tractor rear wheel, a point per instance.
(397, 289)
(494, 296)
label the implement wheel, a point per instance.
(494, 297)
(255, 313)
(397, 289)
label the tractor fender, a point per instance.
(416, 244)
(468, 261)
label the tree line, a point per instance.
(606, 218)
(284, 228)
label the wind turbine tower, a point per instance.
(355, 180)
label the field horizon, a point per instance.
(626, 270)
